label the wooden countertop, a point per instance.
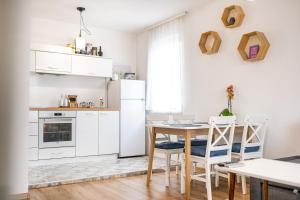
(72, 109)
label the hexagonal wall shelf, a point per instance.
(214, 48)
(233, 16)
(261, 42)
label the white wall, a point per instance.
(45, 90)
(14, 89)
(269, 86)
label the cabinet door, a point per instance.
(91, 66)
(32, 61)
(87, 133)
(53, 62)
(108, 132)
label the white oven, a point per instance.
(57, 129)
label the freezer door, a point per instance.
(132, 89)
(132, 138)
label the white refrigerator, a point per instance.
(129, 97)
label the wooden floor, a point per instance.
(133, 188)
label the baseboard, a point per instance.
(24, 196)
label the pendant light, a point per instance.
(80, 41)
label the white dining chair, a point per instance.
(165, 146)
(217, 150)
(171, 146)
(251, 145)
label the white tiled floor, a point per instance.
(56, 174)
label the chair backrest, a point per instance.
(254, 133)
(220, 139)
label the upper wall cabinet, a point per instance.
(32, 61)
(48, 62)
(91, 66)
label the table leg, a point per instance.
(187, 165)
(266, 190)
(151, 155)
(232, 178)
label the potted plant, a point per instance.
(230, 94)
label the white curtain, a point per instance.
(165, 63)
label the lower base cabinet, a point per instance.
(109, 132)
(97, 133)
(33, 154)
(87, 133)
(63, 152)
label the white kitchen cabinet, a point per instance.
(48, 62)
(33, 116)
(32, 135)
(87, 133)
(33, 141)
(32, 61)
(91, 66)
(63, 152)
(109, 132)
(33, 154)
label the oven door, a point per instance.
(56, 132)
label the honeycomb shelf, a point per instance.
(262, 41)
(215, 45)
(236, 12)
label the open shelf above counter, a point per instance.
(65, 62)
(72, 109)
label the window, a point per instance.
(165, 61)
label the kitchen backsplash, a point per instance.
(46, 89)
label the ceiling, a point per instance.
(123, 15)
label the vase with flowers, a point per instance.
(230, 94)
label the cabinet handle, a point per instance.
(52, 68)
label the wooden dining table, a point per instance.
(187, 131)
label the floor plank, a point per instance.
(132, 188)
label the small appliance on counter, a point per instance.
(64, 101)
(73, 101)
(85, 104)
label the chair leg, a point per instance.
(182, 173)
(244, 185)
(194, 168)
(178, 159)
(167, 171)
(238, 179)
(217, 179)
(208, 182)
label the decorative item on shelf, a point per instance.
(100, 53)
(80, 41)
(101, 101)
(73, 101)
(230, 94)
(261, 50)
(129, 76)
(205, 39)
(88, 48)
(72, 46)
(233, 16)
(231, 21)
(94, 51)
(253, 51)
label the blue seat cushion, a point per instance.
(201, 151)
(236, 148)
(169, 145)
(196, 142)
